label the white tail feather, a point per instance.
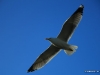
(73, 48)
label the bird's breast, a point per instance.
(59, 43)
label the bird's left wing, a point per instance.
(44, 58)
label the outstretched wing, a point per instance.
(44, 58)
(71, 24)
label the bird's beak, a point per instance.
(47, 38)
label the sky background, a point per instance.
(24, 25)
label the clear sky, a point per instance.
(24, 25)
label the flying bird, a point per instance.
(61, 42)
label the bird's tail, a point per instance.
(72, 49)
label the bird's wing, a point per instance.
(44, 58)
(70, 24)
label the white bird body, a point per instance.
(58, 43)
(69, 49)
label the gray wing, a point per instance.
(44, 58)
(71, 24)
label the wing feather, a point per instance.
(70, 24)
(44, 58)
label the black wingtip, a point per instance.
(80, 9)
(30, 70)
(81, 6)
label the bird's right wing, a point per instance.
(70, 24)
(44, 58)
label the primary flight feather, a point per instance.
(61, 42)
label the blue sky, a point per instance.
(24, 25)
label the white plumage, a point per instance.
(69, 49)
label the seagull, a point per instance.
(61, 42)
